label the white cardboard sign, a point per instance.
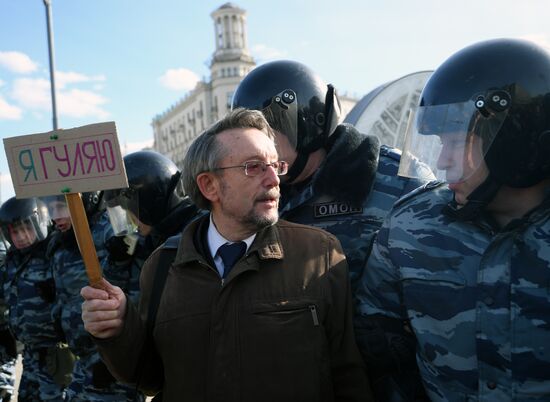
(76, 160)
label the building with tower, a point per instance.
(176, 128)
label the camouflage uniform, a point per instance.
(350, 194)
(29, 293)
(477, 298)
(7, 361)
(91, 381)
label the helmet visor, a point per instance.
(125, 198)
(24, 233)
(282, 115)
(122, 222)
(57, 207)
(451, 140)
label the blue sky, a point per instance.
(128, 61)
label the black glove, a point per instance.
(388, 347)
(117, 248)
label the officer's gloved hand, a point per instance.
(117, 248)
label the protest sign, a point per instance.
(69, 162)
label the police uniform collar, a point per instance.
(349, 170)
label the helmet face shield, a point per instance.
(451, 139)
(121, 220)
(295, 101)
(24, 233)
(123, 210)
(24, 221)
(57, 207)
(282, 115)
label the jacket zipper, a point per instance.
(314, 315)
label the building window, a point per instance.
(229, 99)
(226, 31)
(219, 32)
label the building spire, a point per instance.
(230, 34)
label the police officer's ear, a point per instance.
(209, 185)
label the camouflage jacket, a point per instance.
(477, 299)
(70, 277)
(29, 293)
(350, 194)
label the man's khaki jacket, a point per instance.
(278, 328)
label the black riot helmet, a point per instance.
(92, 202)
(498, 90)
(154, 187)
(24, 222)
(295, 102)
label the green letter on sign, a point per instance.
(28, 165)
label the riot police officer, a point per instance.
(465, 263)
(8, 350)
(339, 179)
(154, 201)
(91, 381)
(29, 292)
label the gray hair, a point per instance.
(205, 152)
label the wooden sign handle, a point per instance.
(84, 238)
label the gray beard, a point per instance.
(259, 222)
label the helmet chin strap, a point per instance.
(477, 201)
(297, 167)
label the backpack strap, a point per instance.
(166, 257)
(167, 254)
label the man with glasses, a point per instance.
(253, 308)
(339, 180)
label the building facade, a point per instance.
(175, 129)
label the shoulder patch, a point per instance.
(422, 189)
(172, 242)
(335, 208)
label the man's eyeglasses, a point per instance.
(255, 168)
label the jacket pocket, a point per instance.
(285, 337)
(428, 292)
(287, 309)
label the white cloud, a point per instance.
(179, 79)
(9, 112)
(264, 53)
(79, 103)
(17, 62)
(62, 79)
(35, 94)
(129, 147)
(1, 83)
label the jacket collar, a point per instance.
(266, 245)
(349, 169)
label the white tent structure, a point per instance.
(384, 112)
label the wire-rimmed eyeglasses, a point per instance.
(255, 168)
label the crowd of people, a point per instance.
(293, 258)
